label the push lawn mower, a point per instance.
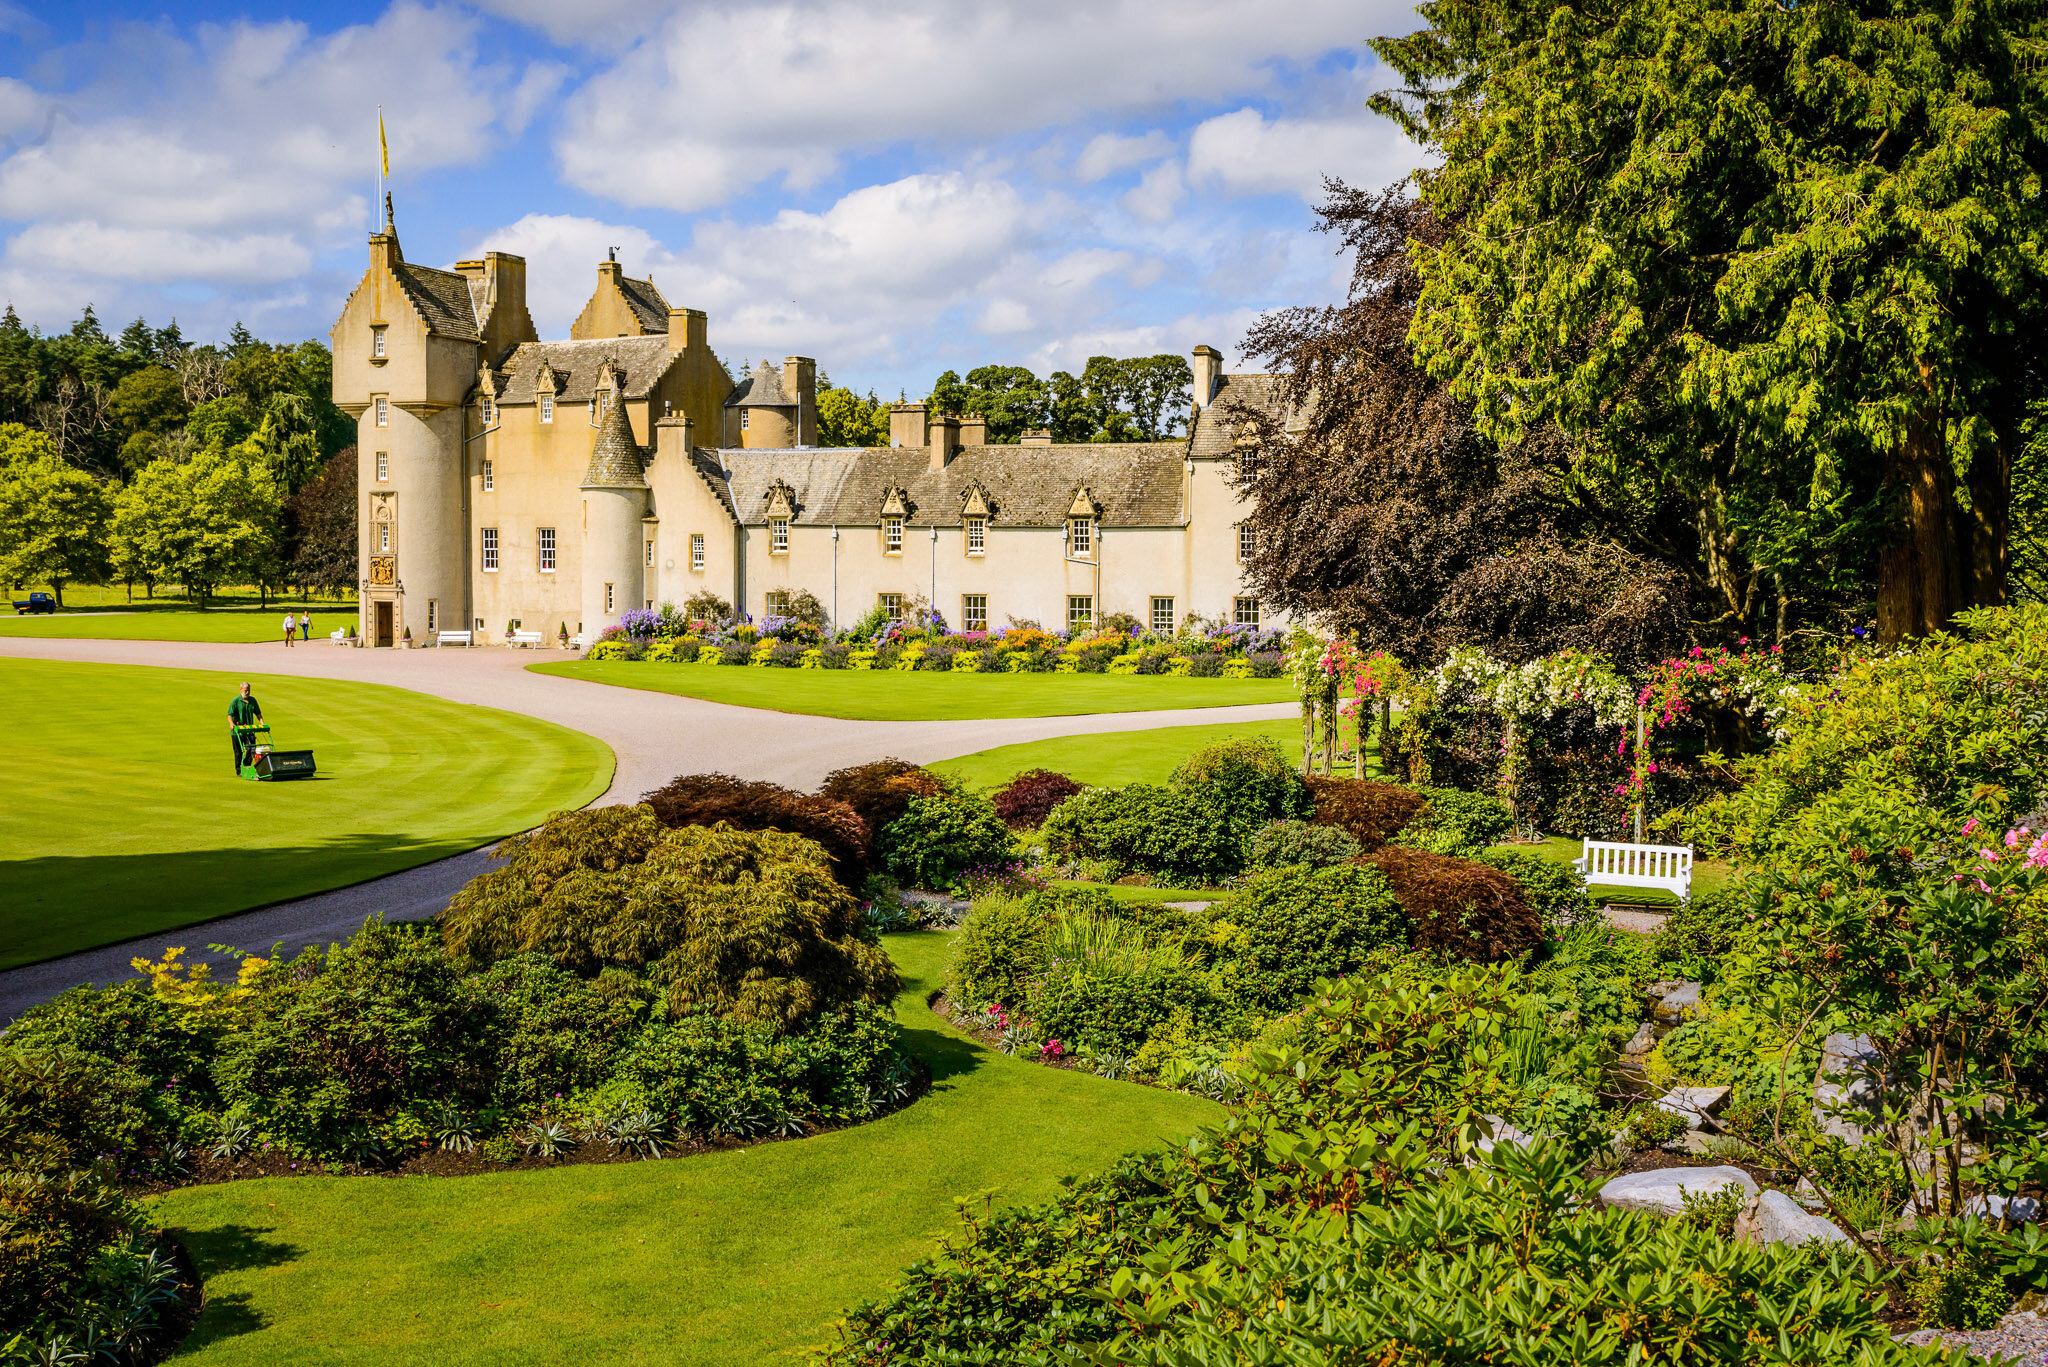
(261, 763)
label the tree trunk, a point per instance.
(57, 592)
(1943, 557)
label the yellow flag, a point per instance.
(383, 147)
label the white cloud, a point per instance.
(1108, 153)
(1222, 330)
(139, 254)
(1157, 194)
(23, 111)
(255, 136)
(1246, 153)
(796, 85)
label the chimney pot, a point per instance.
(974, 430)
(1208, 368)
(1037, 436)
(906, 424)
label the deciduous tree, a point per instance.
(56, 521)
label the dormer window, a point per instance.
(892, 535)
(547, 408)
(1080, 536)
(377, 342)
(486, 411)
(977, 534)
(778, 536)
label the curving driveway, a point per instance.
(654, 735)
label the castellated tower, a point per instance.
(615, 496)
(406, 352)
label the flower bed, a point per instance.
(774, 642)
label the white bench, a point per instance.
(529, 639)
(453, 638)
(576, 642)
(338, 635)
(1619, 864)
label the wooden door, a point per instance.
(384, 618)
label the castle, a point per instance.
(509, 483)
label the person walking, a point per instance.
(243, 712)
(305, 626)
(291, 628)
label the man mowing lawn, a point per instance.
(243, 713)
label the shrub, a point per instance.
(939, 836)
(1108, 986)
(735, 653)
(128, 1026)
(1371, 813)
(706, 607)
(1556, 890)
(1696, 938)
(548, 1031)
(750, 924)
(1177, 835)
(54, 1228)
(1456, 822)
(881, 789)
(1279, 843)
(1250, 781)
(613, 650)
(1460, 908)
(1002, 946)
(1965, 1291)
(62, 1109)
(1028, 799)
(345, 1041)
(1288, 927)
(751, 805)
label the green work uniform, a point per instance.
(241, 712)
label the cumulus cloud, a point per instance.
(1158, 194)
(815, 82)
(1108, 153)
(247, 137)
(1247, 153)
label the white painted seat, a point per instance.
(576, 642)
(453, 638)
(1619, 864)
(337, 635)
(529, 639)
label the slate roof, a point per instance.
(614, 455)
(1215, 427)
(1137, 484)
(762, 389)
(647, 303)
(442, 298)
(578, 366)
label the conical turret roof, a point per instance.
(614, 455)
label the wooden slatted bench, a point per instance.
(529, 639)
(1620, 864)
(454, 638)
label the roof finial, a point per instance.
(389, 225)
(613, 253)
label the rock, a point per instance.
(1807, 1194)
(1695, 1104)
(1503, 1133)
(1675, 1001)
(1775, 1218)
(1662, 1192)
(1848, 1089)
(1642, 1042)
(2021, 1210)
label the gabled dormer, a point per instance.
(621, 307)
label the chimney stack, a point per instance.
(672, 438)
(906, 424)
(945, 439)
(800, 382)
(685, 329)
(1037, 436)
(974, 430)
(1208, 375)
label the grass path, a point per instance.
(739, 1257)
(918, 695)
(123, 818)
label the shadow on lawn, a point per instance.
(947, 1055)
(56, 905)
(230, 1248)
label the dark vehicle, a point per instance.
(35, 602)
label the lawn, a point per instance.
(1114, 757)
(104, 613)
(1707, 875)
(123, 818)
(734, 1258)
(919, 695)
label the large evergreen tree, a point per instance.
(1784, 260)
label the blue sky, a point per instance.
(896, 187)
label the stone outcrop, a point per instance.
(1848, 1088)
(1662, 1192)
(1695, 1105)
(1775, 1218)
(1670, 1001)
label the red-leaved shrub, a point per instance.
(1028, 799)
(880, 789)
(749, 805)
(1370, 813)
(1460, 908)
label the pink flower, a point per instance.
(1970, 825)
